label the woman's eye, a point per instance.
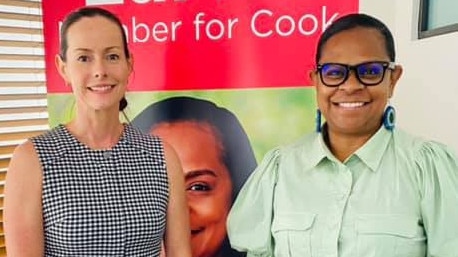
(113, 57)
(83, 58)
(334, 73)
(199, 187)
(370, 74)
(368, 71)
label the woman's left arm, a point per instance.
(177, 234)
(439, 175)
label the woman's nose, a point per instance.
(352, 83)
(100, 70)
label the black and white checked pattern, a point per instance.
(103, 202)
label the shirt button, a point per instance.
(107, 154)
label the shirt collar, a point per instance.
(319, 150)
(370, 153)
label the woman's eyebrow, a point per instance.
(107, 49)
(196, 173)
(112, 48)
(82, 49)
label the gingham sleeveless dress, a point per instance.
(102, 202)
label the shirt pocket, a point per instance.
(390, 235)
(292, 233)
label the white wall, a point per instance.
(426, 98)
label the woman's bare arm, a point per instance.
(177, 235)
(23, 219)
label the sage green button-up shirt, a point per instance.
(395, 196)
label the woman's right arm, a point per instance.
(250, 218)
(22, 214)
(177, 234)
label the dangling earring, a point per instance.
(318, 121)
(389, 117)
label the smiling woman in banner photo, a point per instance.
(95, 186)
(358, 186)
(217, 159)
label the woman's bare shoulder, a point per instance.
(24, 159)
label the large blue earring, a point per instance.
(389, 117)
(318, 121)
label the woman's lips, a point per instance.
(196, 231)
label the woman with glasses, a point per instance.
(358, 186)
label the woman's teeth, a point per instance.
(351, 105)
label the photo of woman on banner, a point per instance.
(216, 156)
(358, 186)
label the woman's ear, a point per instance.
(61, 66)
(395, 76)
(313, 75)
(130, 63)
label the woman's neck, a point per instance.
(343, 145)
(97, 130)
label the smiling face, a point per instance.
(95, 66)
(352, 108)
(208, 184)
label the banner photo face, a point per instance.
(236, 70)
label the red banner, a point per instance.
(194, 45)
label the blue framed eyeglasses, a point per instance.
(367, 73)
